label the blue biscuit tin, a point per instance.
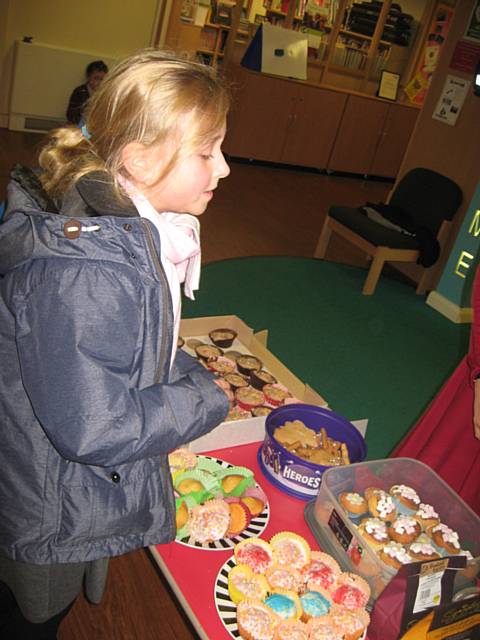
(292, 474)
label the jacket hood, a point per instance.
(30, 232)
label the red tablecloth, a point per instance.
(192, 572)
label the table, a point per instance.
(192, 573)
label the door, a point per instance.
(313, 126)
(260, 117)
(393, 142)
(358, 135)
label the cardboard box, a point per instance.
(236, 432)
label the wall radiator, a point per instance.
(43, 79)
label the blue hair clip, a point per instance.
(85, 132)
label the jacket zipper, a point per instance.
(165, 299)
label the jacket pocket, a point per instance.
(121, 503)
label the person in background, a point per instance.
(94, 393)
(95, 73)
(447, 436)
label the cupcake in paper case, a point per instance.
(256, 621)
(291, 630)
(222, 337)
(234, 480)
(381, 505)
(246, 364)
(221, 366)
(208, 352)
(351, 591)
(445, 538)
(255, 498)
(286, 604)
(209, 521)
(280, 576)
(210, 466)
(240, 517)
(260, 378)
(193, 343)
(197, 484)
(183, 505)
(260, 411)
(350, 624)
(394, 554)
(353, 503)
(406, 496)
(244, 583)
(321, 573)
(181, 460)
(290, 549)
(248, 398)
(237, 413)
(423, 551)
(275, 394)
(374, 531)
(404, 529)
(322, 629)
(426, 516)
(314, 605)
(236, 381)
(255, 553)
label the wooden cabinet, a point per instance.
(282, 121)
(314, 120)
(358, 135)
(259, 117)
(372, 137)
(279, 120)
(393, 140)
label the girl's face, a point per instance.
(189, 187)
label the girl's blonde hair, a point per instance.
(149, 98)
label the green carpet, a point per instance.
(381, 357)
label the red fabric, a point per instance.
(444, 438)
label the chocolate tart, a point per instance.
(247, 364)
(222, 337)
(236, 380)
(260, 378)
(208, 352)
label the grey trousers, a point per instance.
(42, 591)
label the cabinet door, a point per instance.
(259, 118)
(313, 126)
(394, 140)
(358, 135)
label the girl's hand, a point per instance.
(476, 409)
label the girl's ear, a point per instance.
(136, 159)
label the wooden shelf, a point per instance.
(360, 36)
(281, 14)
(346, 70)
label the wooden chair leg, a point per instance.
(323, 241)
(373, 274)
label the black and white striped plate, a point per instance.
(226, 609)
(254, 529)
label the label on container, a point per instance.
(340, 530)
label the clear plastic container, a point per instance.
(336, 531)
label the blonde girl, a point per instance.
(93, 390)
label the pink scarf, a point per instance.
(180, 250)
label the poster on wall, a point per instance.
(473, 28)
(417, 88)
(451, 100)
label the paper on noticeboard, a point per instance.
(451, 101)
